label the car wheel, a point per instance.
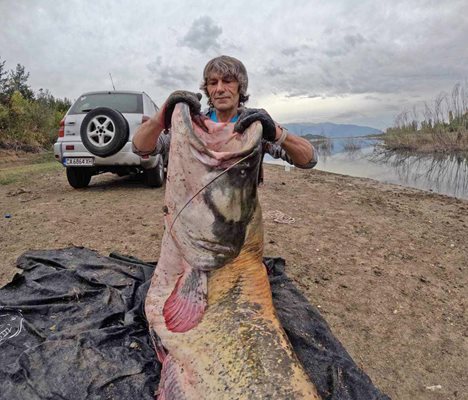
(78, 177)
(154, 177)
(104, 131)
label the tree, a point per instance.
(17, 81)
(3, 81)
(44, 96)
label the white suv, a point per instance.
(96, 134)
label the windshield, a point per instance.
(123, 102)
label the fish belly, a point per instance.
(239, 350)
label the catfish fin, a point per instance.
(184, 308)
(159, 348)
(170, 385)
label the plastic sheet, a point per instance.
(72, 327)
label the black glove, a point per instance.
(250, 115)
(181, 96)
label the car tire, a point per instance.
(78, 177)
(154, 177)
(104, 131)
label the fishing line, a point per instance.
(209, 183)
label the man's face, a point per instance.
(223, 92)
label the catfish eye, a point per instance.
(243, 174)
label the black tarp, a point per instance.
(72, 326)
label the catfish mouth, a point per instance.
(215, 247)
(211, 253)
(218, 146)
(224, 161)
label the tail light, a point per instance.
(144, 119)
(62, 128)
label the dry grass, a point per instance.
(427, 142)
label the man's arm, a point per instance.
(300, 150)
(278, 141)
(146, 137)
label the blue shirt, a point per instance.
(214, 118)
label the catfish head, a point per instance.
(211, 190)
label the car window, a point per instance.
(147, 106)
(152, 108)
(123, 102)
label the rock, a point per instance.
(434, 388)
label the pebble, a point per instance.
(434, 387)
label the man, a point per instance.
(225, 84)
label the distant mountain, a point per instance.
(331, 130)
(309, 136)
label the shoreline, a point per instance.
(448, 143)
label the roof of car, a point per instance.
(113, 92)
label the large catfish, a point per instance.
(209, 306)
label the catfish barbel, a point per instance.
(209, 306)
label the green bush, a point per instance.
(28, 121)
(29, 124)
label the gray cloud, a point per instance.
(373, 98)
(340, 43)
(203, 35)
(349, 63)
(328, 55)
(170, 76)
(303, 94)
(294, 51)
(354, 40)
(350, 115)
(296, 93)
(290, 51)
(274, 71)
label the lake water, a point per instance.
(365, 158)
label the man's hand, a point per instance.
(250, 115)
(180, 96)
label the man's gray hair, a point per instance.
(227, 67)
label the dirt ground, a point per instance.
(386, 265)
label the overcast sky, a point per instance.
(308, 61)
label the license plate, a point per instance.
(81, 161)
